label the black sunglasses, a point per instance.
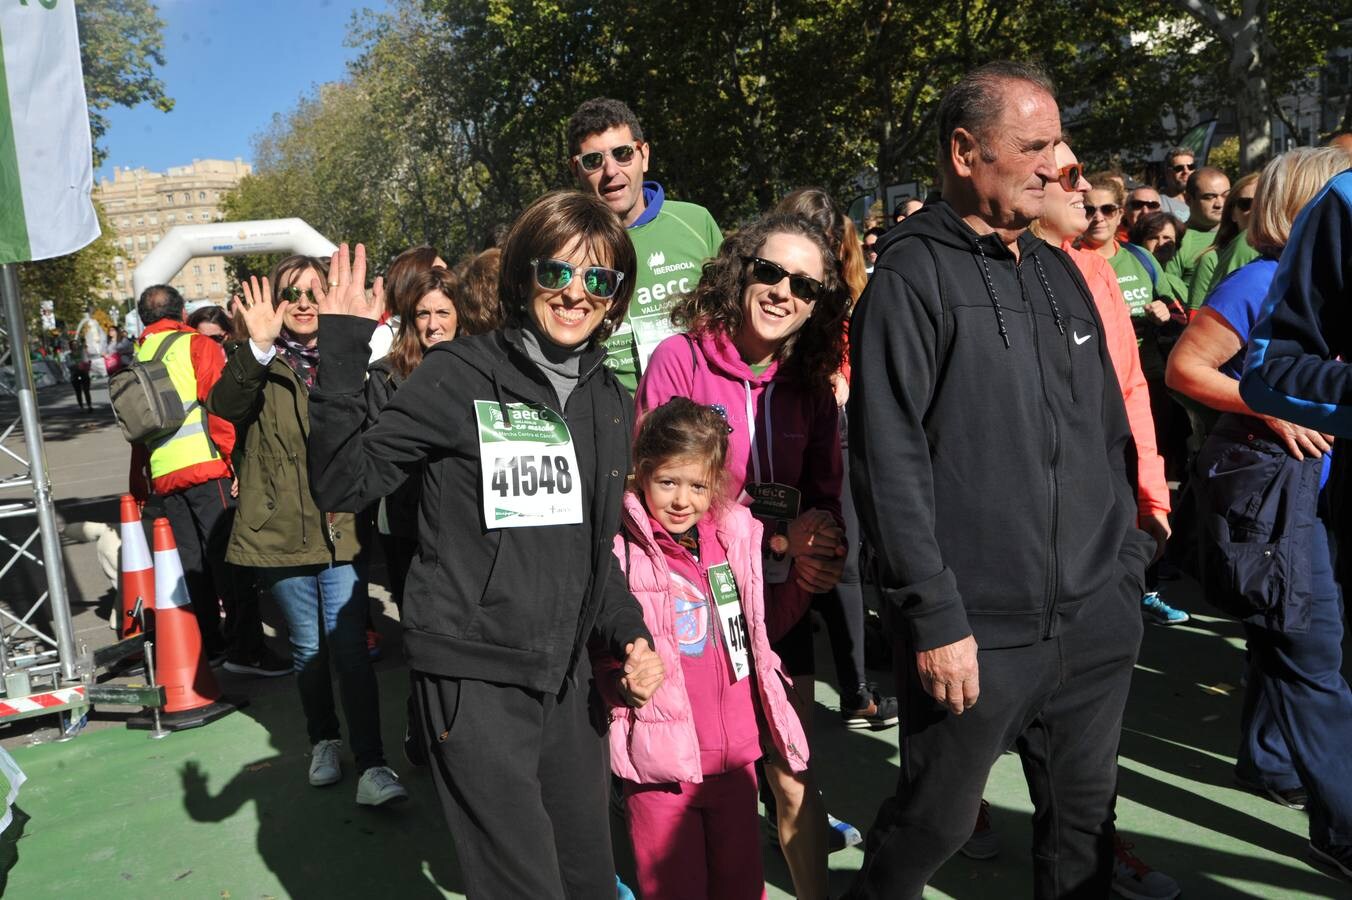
(1107, 209)
(1243, 204)
(765, 272)
(595, 159)
(1138, 205)
(1184, 167)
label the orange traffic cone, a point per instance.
(138, 572)
(192, 697)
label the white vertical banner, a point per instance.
(46, 161)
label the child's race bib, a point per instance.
(730, 619)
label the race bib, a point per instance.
(730, 619)
(527, 466)
(649, 331)
(775, 505)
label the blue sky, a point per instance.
(230, 65)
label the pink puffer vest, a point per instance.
(656, 743)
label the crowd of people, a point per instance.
(616, 466)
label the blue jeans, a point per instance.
(1298, 708)
(325, 609)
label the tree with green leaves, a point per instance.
(121, 46)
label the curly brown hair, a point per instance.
(816, 204)
(811, 354)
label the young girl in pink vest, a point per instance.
(687, 757)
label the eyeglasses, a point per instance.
(1069, 176)
(292, 294)
(595, 159)
(1107, 210)
(1138, 205)
(765, 272)
(1184, 167)
(1243, 204)
(555, 275)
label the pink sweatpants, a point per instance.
(697, 841)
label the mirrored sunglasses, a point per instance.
(555, 275)
(595, 159)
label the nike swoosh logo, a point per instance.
(1081, 340)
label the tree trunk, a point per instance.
(1254, 102)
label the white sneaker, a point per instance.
(379, 785)
(325, 767)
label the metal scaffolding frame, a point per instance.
(37, 669)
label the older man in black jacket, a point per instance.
(988, 446)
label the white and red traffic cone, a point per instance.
(138, 571)
(192, 697)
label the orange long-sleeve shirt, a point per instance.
(1152, 490)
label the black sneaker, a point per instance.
(868, 709)
(1337, 855)
(1291, 798)
(264, 664)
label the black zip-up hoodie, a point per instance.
(513, 605)
(987, 436)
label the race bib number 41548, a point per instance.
(528, 468)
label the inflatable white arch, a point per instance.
(184, 242)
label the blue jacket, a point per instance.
(1257, 507)
(1292, 371)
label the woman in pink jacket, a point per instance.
(688, 756)
(764, 337)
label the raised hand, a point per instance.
(261, 317)
(346, 293)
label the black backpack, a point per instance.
(144, 398)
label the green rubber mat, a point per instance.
(225, 811)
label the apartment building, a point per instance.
(141, 206)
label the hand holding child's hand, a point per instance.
(642, 673)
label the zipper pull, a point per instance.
(333, 533)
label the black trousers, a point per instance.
(523, 779)
(1059, 703)
(201, 517)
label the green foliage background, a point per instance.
(452, 119)
(121, 46)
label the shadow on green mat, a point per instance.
(9, 846)
(317, 842)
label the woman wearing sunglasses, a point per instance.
(523, 439)
(1155, 301)
(764, 338)
(1232, 248)
(302, 549)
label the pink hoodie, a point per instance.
(657, 743)
(794, 431)
(1152, 490)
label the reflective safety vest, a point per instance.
(191, 444)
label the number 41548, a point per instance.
(518, 476)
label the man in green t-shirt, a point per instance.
(672, 240)
(1206, 192)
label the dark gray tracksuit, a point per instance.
(988, 450)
